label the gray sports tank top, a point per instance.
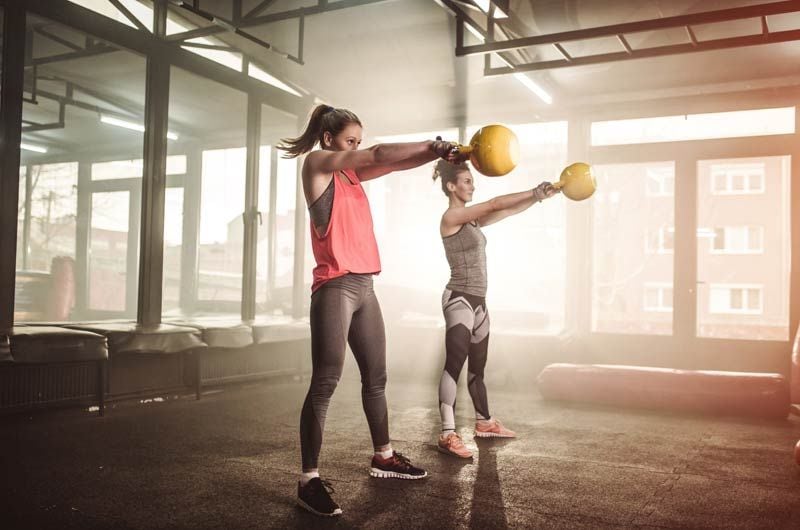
(466, 254)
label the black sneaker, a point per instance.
(315, 497)
(396, 466)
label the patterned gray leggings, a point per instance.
(467, 337)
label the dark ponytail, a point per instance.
(323, 119)
(448, 173)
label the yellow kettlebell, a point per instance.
(493, 150)
(577, 181)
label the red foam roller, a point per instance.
(61, 299)
(796, 368)
(737, 393)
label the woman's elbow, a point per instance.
(496, 204)
(378, 154)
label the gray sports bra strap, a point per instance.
(320, 210)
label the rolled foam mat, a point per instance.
(717, 392)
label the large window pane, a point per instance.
(734, 124)
(634, 220)
(108, 251)
(203, 213)
(221, 226)
(53, 212)
(90, 233)
(276, 233)
(284, 213)
(173, 245)
(743, 248)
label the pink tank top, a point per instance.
(349, 244)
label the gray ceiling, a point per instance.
(393, 62)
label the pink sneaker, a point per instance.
(453, 445)
(492, 429)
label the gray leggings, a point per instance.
(344, 311)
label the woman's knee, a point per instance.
(323, 386)
(374, 384)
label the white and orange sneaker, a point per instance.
(492, 429)
(452, 444)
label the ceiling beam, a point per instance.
(147, 44)
(679, 21)
(660, 51)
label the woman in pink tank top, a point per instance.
(344, 309)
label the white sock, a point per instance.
(447, 432)
(385, 454)
(305, 477)
(484, 421)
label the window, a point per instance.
(736, 299)
(734, 124)
(221, 227)
(633, 248)
(204, 229)
(54, 207)
(660, 182)
(661, 240)
(738, 179)
(79, 236)
(738, 240)
(658, 297)
(121, 169)
(744, 243)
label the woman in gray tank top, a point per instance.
(464, 302)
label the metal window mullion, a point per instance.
(251, 214)
(272, 221)
(82, 231)
(684, 292)
(151, 255)
(11, 93)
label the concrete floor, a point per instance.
(231, 460)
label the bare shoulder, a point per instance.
(449, 224)
(314, 181)
(313, 160)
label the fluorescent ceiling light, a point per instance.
(131, 125)
(34, 148)
(262, 75)
(533, 87)
(486, 4)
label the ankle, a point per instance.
(306, 476)
(384, 453)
